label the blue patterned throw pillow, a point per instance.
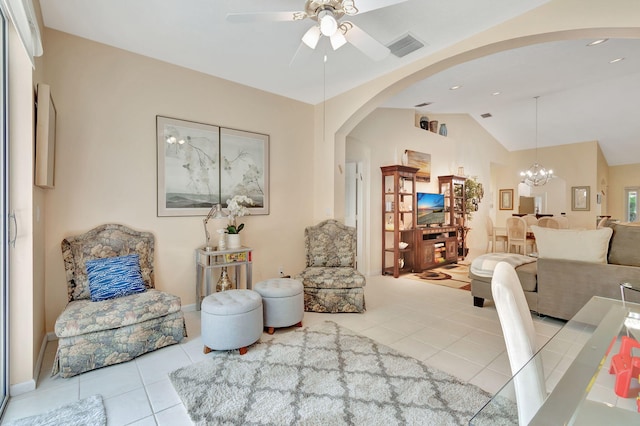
(113, 277)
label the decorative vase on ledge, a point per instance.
(233, 241)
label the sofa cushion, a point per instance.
(571, 244)
(113, 277)
(317, 277)
(624, 245)
(84, 316)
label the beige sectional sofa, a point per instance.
(573, 267)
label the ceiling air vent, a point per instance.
(424, 104)
(405, 45)
(486, 115)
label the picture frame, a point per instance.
(580, 198)
(506, 199)
(200, 165)
(420, 160)
(45, 149)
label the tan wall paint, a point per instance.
(621, 177)
(573, 164)
(107, 103)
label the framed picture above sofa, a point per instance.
(200, 165)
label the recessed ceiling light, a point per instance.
(613, 61)
(597, 42)
(456, 87)
(495, 93)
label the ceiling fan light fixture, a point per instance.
(338, 40)
(349, 7)
(311, 37)
(328, 22)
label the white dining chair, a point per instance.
(548, 222)
(520, 340)
(493, 238)
(517, 235)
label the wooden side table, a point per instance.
(208, 260)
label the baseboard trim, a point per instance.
(20, 388)
(189, 308)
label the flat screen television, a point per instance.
(430, 208)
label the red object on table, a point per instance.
(625, 366)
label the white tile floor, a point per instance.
(435, 324)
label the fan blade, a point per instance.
(365, 43)
(338, 40)
(312, 36)
(369, 5)
(261, 17)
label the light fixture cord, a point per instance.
(537, 129)
(324, 96)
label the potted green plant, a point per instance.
(473, 195)
(237, 207)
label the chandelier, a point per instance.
(536, 174)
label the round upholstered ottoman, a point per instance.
(231, 319)
(283, 302)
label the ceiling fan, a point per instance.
(327, 14)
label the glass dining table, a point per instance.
(575, 366)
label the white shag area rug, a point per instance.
(323, 375)
(87, 411)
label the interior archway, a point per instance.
(446, 63)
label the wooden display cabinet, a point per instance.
(398, 219)
(453, 188)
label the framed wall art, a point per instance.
(580, 198)
(200, 165)
(420, 160)
(45, 138)
(506, 199)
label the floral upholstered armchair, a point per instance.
(108, 321)
(331, 282)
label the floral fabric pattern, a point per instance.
(330, 243)
(89, 351)
(85, 316)
(331, 283)
(96, 334)
(331, 278)
(334, 300)
(108, 240)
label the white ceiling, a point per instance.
(582, 96)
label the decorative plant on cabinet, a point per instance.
(473, 192)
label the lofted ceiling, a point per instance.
(582, 97)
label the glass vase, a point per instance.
(224, 282)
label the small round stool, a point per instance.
(231, 319)
(283, 302)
